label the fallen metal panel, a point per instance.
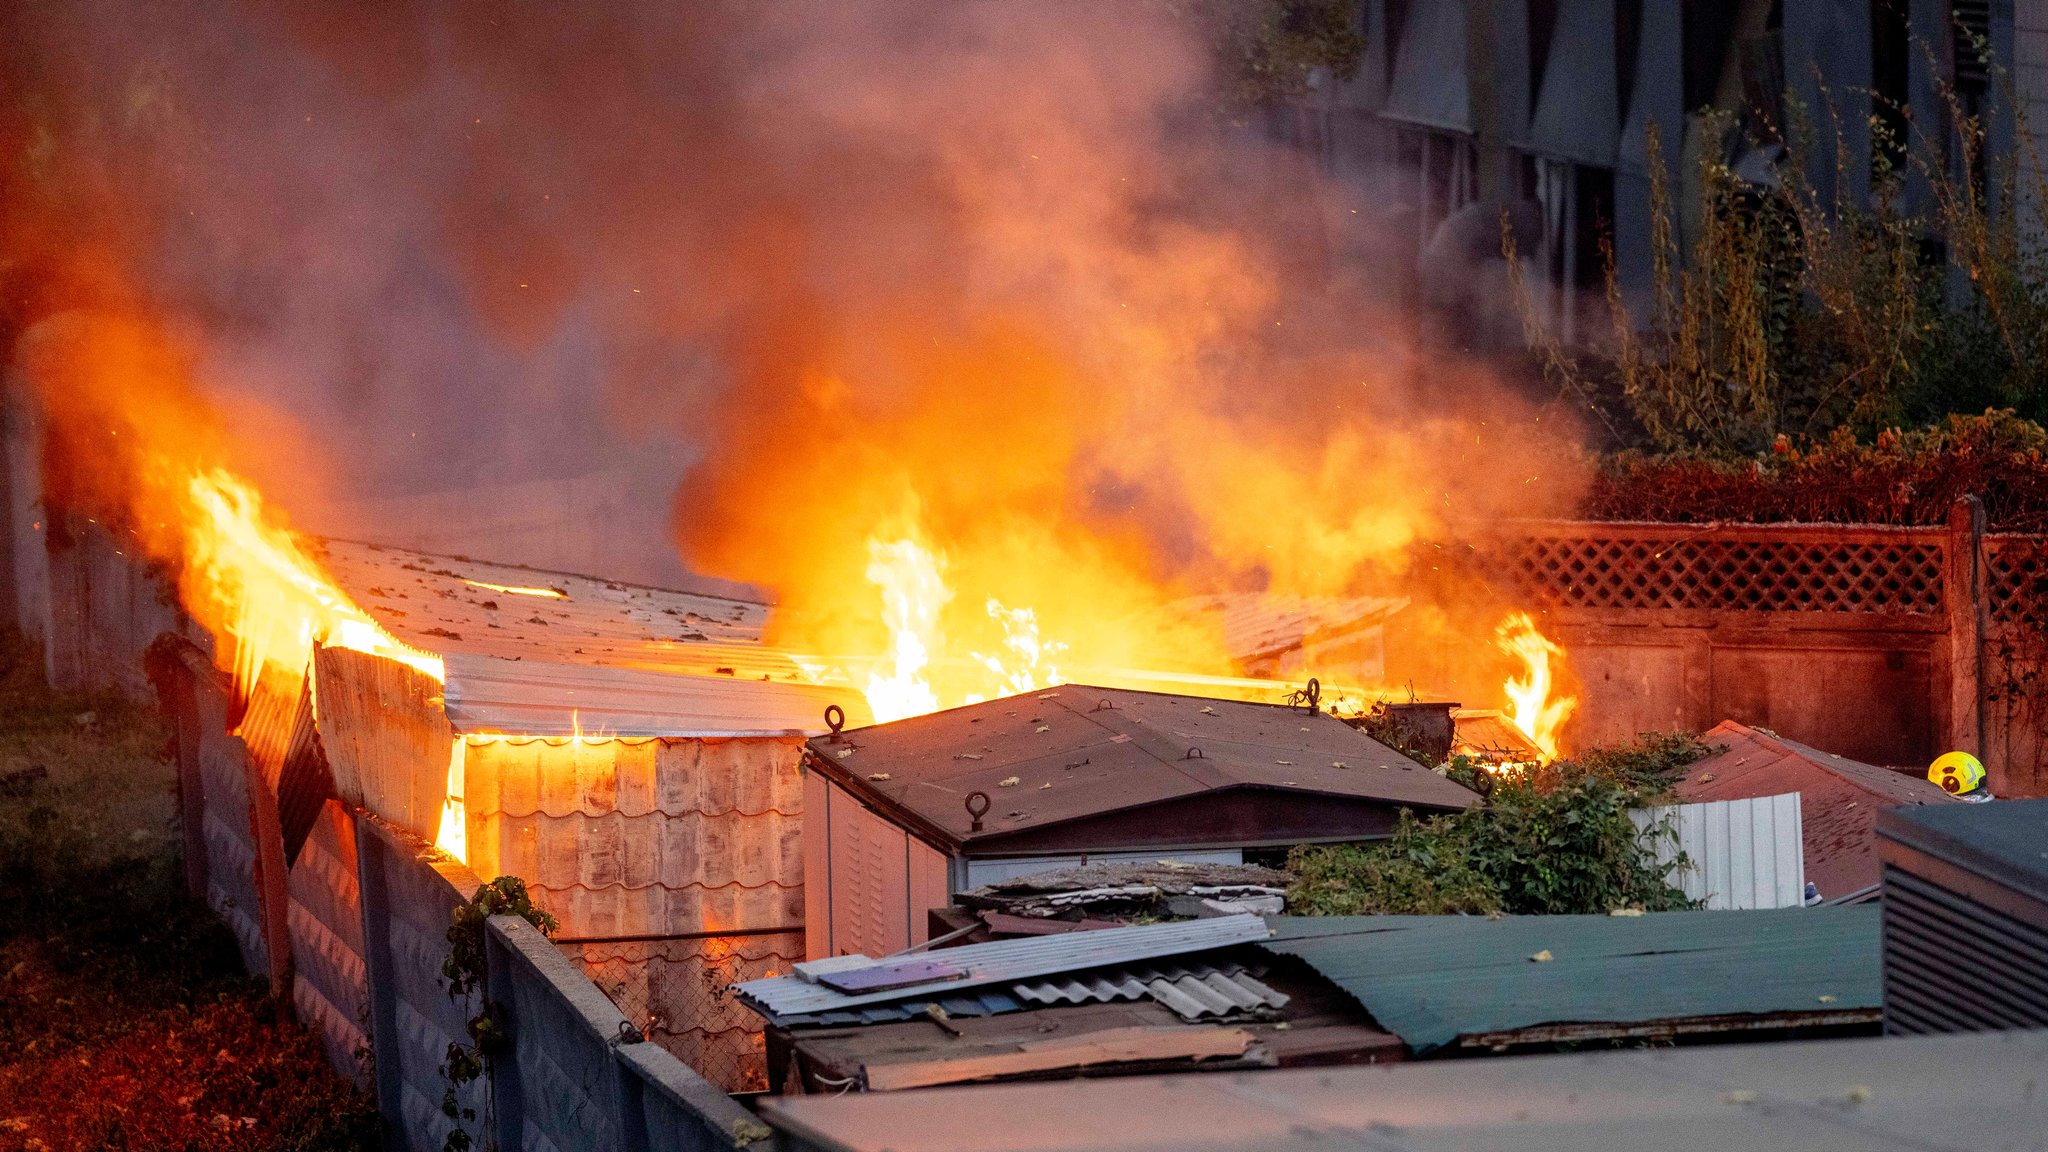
(1431, 980)
(1013, 961)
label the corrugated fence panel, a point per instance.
(330, 987)
(1740, 853)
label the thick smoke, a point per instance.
(754, 284)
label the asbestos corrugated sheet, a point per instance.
(1194, 992)
(1012, 962)
(1839, 798)
(1435, 979)
(1950, 1093)
(1738, 853)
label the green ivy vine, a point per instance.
(465, 970)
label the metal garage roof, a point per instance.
(1076, 751)
(1434, 979)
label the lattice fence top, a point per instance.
(1891, 576)
(2016, 578)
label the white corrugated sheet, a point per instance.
(1740, 853)
(487, 694)
(554, 654)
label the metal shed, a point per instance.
(631, 753)
(919, 809)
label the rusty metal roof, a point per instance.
(1051, 757)
(554, 654)
(1839, 798)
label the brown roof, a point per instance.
(1839, 798)
(1061, 755)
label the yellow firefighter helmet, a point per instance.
(1957, 773)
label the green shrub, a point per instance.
(1560, 841)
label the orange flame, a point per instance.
(916, 675)
(1534, 706)
(245, 577)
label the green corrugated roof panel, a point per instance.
(1432, 979)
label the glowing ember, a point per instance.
(1535, 708)
(245, 577)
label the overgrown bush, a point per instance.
(1905, 478)
(1557, 841)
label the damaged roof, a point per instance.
(1839, 798)
(1050, 760)
(1438, 980)
(553, 654)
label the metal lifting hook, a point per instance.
(975, 813)
(835, 719)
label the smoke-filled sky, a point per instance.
(739, 288)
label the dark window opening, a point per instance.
(1592, 224)
(1891, 48)
(1706, 34)
(1972, 47)
(1396, 12)
(1628, 40)
(1542, 32)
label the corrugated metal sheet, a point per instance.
(1886, 1095)
(487, 694)
(553, 654)
(1739, 853)
(1839, 798)
(1009, 962)
(1431, 980)
(1079, 751)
